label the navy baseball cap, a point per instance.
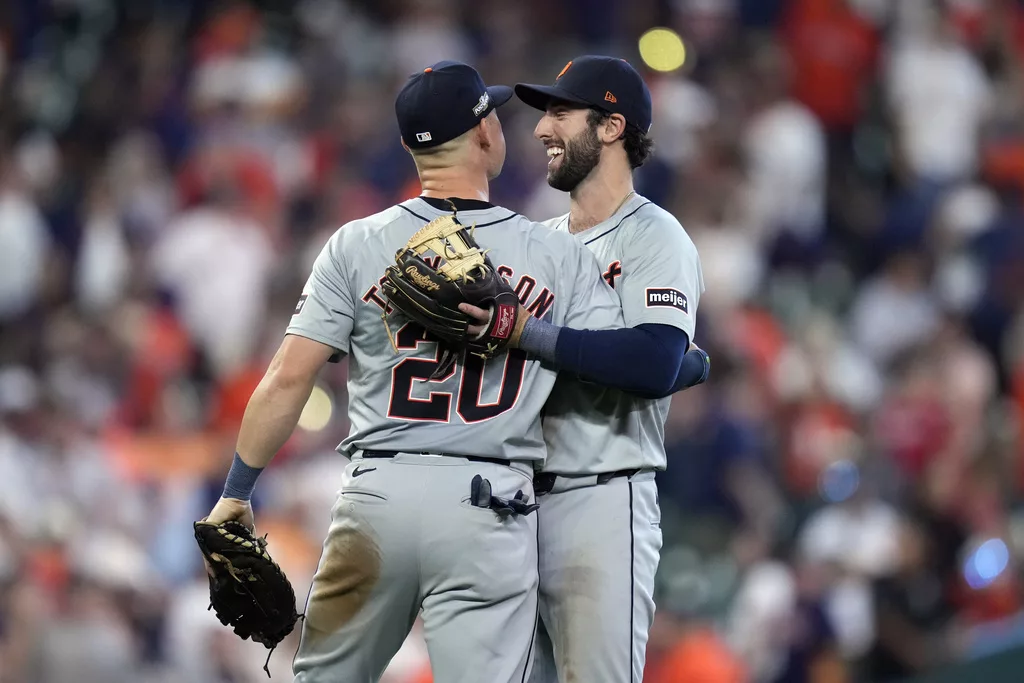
(444, 101)
(607, 83)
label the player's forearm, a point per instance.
(271, 416)
(274, 409)
(646, 360)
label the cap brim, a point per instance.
(500, 94)
(540, 96)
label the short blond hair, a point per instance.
(443, 154)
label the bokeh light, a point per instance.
(986, 563)
(318, 410)
(839, 481)
(662, 49)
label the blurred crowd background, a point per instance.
(843, 497)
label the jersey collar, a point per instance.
(460, 204)
(628, 208)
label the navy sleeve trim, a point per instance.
(406, 208)
(500, 220)
(481, 225)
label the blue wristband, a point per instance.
(539, 338)
(241, 479)
(707, 366)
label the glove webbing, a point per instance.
(438, 238)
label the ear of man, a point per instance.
(637, 145)
(486, 131)
(611, 128)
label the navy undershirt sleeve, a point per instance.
(646, 360)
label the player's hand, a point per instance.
(232, 509)
(707, 361)
(483, 315)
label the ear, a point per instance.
(484, 132)
(613, 128)
(404, 146)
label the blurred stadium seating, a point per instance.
(842, 502)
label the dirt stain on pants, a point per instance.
(347, 574)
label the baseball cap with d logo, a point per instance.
(606, 83)
(444, 101)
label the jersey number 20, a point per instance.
(437, 407)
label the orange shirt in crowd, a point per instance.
(699, 657)
(833, 53)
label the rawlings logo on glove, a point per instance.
(420, 280)
(505, 322)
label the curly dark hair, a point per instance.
(638, 145)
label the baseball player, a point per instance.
(435, 458)
(600, 500)
(599, 520)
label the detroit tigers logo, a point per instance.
(614, 271)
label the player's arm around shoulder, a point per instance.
(594, 342)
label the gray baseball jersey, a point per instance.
(405, 534)
(392, 403)
(596, 612)
(652, 264)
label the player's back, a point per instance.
(480, 408)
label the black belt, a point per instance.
(543, 483)
(471, 458)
